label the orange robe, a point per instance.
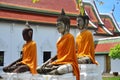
(85, 45)
(66, 53)
(30, 56)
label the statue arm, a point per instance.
(18, 60)
(54, 58)
(49, 61)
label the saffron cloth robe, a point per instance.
(85, 45)
(30, 56)
(66, 53)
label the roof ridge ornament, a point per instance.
(34, 1)
(80, 7)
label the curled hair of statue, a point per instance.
(84, 17)
(63, 17)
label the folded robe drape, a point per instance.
(66, 53)
(85, 45)
(30, 56)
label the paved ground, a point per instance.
(108, 75)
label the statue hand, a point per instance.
(49, 65)
(51, 61)
(18, 63)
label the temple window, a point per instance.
(46, 55)
(1, 58)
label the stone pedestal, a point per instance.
(87, 72)
(90, 72)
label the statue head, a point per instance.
(82, 21)
(63, 22)
(27, 33)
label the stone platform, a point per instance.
(87, 72)
(90, 72)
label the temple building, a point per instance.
(42, 18)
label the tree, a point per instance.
(115, 52)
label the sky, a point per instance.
(107, 7)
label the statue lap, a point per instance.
(16, 68)
(62, 69)
(55, 69)
(84, 60)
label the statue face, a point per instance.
(27, 35)
(80, 23)
(60, 27)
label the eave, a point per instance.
(93, 13)
(109, 23)
(101, 53)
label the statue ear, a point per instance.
(30, 33)
(86, 21)
(67, 28)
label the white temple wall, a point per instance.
(11, 40)
(101, 60)
(115, 63)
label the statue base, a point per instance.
(87, 72)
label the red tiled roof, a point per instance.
(91, 13)
(50, 5)
(105, 47)
(25, 16)
(100, 30)
(6, 14)
(108, 24)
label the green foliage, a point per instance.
(111, 78)
(34, 1)
(115, 52)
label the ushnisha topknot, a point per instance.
(64, 18)
(27, 24)
(63, 12)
